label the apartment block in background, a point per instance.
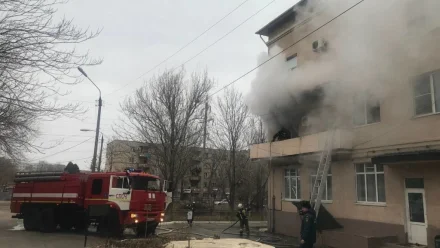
(196, 185)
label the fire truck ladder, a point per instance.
(322, 172)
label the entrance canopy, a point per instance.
(407, 157)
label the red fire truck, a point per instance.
(46, 200)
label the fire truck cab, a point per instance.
(46, 200)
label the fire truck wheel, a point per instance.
(31, 220)
(80, 225)
(140, 230)
(67, 223)
(48, 220)
(151, 229)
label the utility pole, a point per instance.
(111, 159)
(205, 123)
(100, 153)
(98, 122)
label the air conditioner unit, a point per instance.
(319, 45)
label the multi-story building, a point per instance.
(383, 185)
(197, 184)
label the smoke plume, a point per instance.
(376, 47)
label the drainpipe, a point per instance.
(272, 225)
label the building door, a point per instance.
(416, 211)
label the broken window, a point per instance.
(427, 94)
(366, 110)
(370, 183)
(292, 62)
(292, 187)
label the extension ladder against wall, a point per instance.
(322, 172)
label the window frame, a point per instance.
(313, 175)
(365, 173)
(432, 92)
(289, 58)
(366, 110)
(297, 178)
(125, 182)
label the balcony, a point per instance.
(302, 145)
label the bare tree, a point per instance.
(217, 160)
(255, 184)
(42, 166)
(8, 169)
(167, 114)
(256, 133)
(230, 135)
(35, 60)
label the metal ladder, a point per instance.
(322, 172)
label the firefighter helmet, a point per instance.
(240, 205)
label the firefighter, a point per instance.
(308, 225)
(242, 215)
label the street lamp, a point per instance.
(102, 142)
(98, 122)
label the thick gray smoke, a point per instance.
(375, 47)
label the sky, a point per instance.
(135, 38)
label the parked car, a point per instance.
(224, 201)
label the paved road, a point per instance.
(12, 235)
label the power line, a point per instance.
(285, 49)
(64, 135)
(62, 150)
(183, 47)
(224, 36)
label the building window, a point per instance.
(120, 183)
(370, 183)
(96, 186)
(205, 184)
(327, 195)
(427, 94)
(131, 159)
(206, 174)
(366, 110)
(292, 62)
(292, 187)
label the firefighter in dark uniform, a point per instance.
(308, 225)
(243, 218)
